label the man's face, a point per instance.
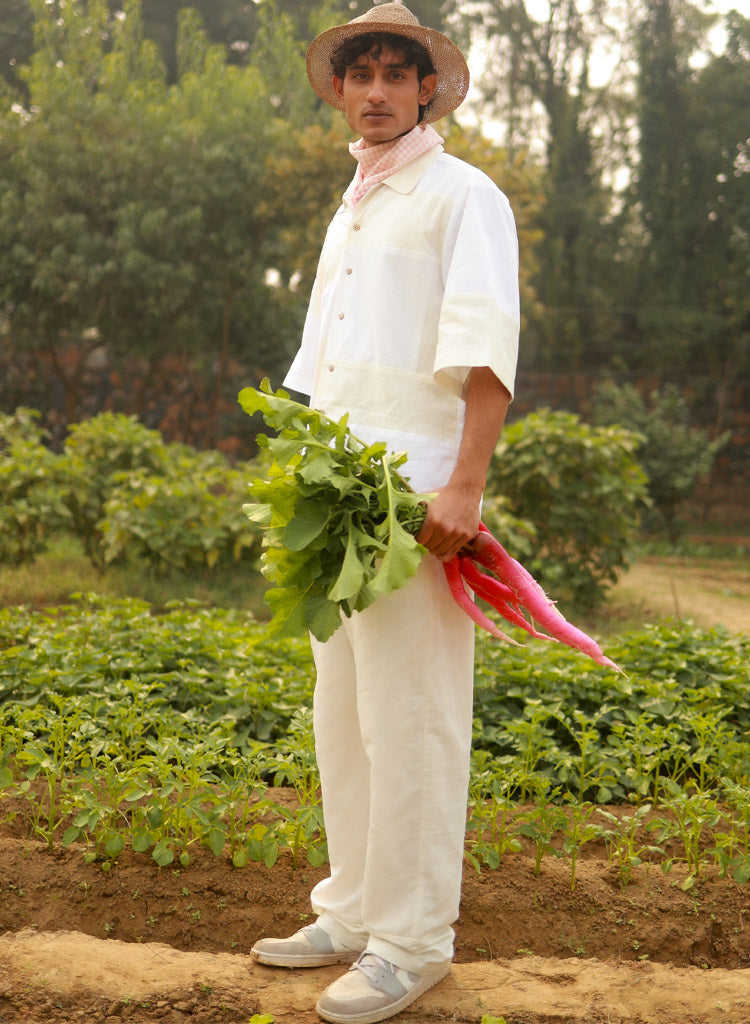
(382, 96)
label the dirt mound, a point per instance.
(68, 976)
(143, 944)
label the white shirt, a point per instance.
(415, 286)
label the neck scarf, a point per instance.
(376, 163)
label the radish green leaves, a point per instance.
(339, 520)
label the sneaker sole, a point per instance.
(302, 959)
(373, 1016)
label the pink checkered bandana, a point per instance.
(376, 163)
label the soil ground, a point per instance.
(141, 944)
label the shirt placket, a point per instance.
(343, 304)
(345, 295)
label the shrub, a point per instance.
(582, 489)
(131, 495)
(673, 454)
(94, 452)
(30, 508)
(190, 516)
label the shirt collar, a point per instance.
(406, 178)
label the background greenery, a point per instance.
(166, 175)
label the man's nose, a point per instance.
(376, 92)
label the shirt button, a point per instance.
(341, 316)
(357, 227)
(330, 367)
(348, 270)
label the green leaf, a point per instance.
(351, 577)
(258, 513)
(141, 841)
(216, 841)
(323, 616)
(115, 846)
(401, 560)
(310, 519)
(288, 605)
(162, 854)
(341, 503)
(270, 853)
(240, 858)
(71, 835)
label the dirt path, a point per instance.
(711, 592)
(93, 979)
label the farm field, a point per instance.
(142, 942)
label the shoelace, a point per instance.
(371, 964)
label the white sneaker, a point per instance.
(309, 947)
(374, 989)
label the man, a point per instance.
(413, 330)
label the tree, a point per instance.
(692, 188)
(16, 38)
(543, 67)
(133, 214)
(672, 453)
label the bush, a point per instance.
(188, 517)
(30, 507)
(582, 489)
(673, 454)
(95, 451)
(128, 494)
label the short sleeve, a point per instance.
(480, 314)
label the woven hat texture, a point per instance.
(395, 18)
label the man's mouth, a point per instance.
(377, 114)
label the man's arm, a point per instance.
(452, 516)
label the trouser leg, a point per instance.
(393, 749)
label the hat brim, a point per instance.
(450, 64)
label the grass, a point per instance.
(64, 570)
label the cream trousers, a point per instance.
(393, 717)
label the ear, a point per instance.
(338, 87)
(427, 88)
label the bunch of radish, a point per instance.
(511, 590)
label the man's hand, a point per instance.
(452, 521)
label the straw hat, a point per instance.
(449, 62)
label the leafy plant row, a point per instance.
(121, 727)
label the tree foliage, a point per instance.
(134, 212)
(673, 454)
(546, 99)
(166, 175)
(643, 258)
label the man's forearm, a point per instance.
(453, 515)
